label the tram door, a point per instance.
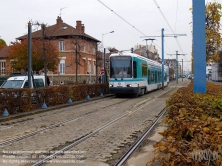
(148, 77)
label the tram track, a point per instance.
(132, 149)
(56, 125)
(5, 125)
(106, 125)
(59, 123)
(137, 104)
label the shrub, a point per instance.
(194, 133)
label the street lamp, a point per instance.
(104, 59)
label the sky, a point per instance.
(131, 20)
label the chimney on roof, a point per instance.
(79, 26)
(59, 20)
(83, 28)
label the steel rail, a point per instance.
(55, 125)
(44, 160)
(125, 157)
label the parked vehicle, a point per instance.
(191, 76)
(21, 81)
(217, 72)
(2, 80)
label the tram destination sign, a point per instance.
(121, 58)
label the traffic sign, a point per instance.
(102, 71)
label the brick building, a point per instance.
(72, 43)
(172, 63)
(148, 51)
(5, 65)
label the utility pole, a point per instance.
(182, 70)
(44, 56)
(77, 57)
(103, 79)
(176, 63)
(29, 54)
(162, 37)
(147, 51)
(199, 46)
(104, 75)
(182, 66)
(96, 63)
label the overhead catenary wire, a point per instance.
(176, 18)
(126, 21)
(167, 23)
(121, 17)
(138, 29)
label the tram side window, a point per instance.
(144, 69)
(159, 76)
(165, 76)
(134, 70)
(155, 76)
(152, 76)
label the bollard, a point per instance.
(44, 105)
(5, 113)
(87, 97)
(70, 101)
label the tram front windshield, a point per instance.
(121, 67)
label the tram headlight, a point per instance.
(110, 85)
(129, 85)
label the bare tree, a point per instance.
(76, 44)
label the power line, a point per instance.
(121, 17)
(126, 22)
(137, 28)
(167, 23)
(176, 18)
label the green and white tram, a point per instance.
(134, 74)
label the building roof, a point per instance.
(170, 59)
(61, 29)
(4, 52)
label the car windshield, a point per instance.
(12, 84)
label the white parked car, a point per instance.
(21, 81)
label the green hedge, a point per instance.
(24, 100)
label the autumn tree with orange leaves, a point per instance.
(19, 52)
(213, 37)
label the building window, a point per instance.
(89, 66)
(2, 68)
(61, 46)
(84, 47)
(94, 51)
(62, 66)
(13, 63)
(94, 67)
(89, 47)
